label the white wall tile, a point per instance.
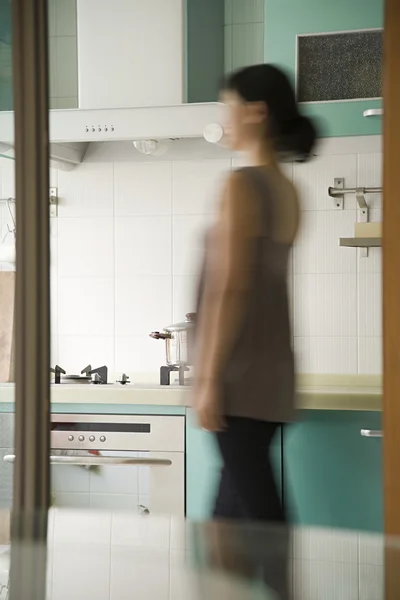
(247, 44)
(75, 352)
(372, 263)
(85, 247)
(86, 306)
(197, 185)
(142, 304)
(369, 305)
(372, 582)
(184, 296)
(86, 191)
(370, 355)
(143, 246)
(325, 305)
(188, 243)
(326, 355)
(142, 188)
(369, 174)
(51, 15)
(317, 247)
(315, 177)
(139, 354)
(313, 580)
(371, 549)
(65, 17)
(7, 178)
(247, 11)
(326, 545)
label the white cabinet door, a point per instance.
(130, 53)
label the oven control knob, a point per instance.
(81, 438)
(70, 438)
(92, 438)
(102, 438)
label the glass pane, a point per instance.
(7, 258)
(115, 555)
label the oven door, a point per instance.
(143, 482)
(118, 462)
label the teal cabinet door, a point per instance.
(286, 19)
(333, 475)
(204, 49)
(203, 466)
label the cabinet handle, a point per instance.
(373, 112)
(371, 433)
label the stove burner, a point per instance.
(88, 375)
(165, 374)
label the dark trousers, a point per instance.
(250, 536)
(247, 487)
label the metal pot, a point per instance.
(179, 341)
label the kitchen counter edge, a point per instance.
(313, 397)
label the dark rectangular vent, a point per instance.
(340, 66)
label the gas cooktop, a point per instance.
(98, 376)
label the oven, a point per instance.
(120, 462)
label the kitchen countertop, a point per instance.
(315, 392)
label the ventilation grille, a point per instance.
(339, 66)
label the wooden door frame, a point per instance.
(391, 268)
(391, 293)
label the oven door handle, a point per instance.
(89, 461)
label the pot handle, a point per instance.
(156, 335)
(191, 317)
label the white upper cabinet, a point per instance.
(130, 53)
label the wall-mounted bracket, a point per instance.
(338, 198)
(53, 202)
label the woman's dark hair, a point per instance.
(292, 133)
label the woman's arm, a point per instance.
(226, 286)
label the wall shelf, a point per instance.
(361, 242)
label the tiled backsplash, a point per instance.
(127, 243)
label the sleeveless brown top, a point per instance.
(258, 380)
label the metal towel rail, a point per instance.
(337, 192)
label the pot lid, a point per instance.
(188, 323)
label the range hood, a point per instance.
(72, 131)
(130, 53)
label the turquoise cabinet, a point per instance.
(203, 465)
(333, 475)
(286, 19)
(204, 49)
(5, 56)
